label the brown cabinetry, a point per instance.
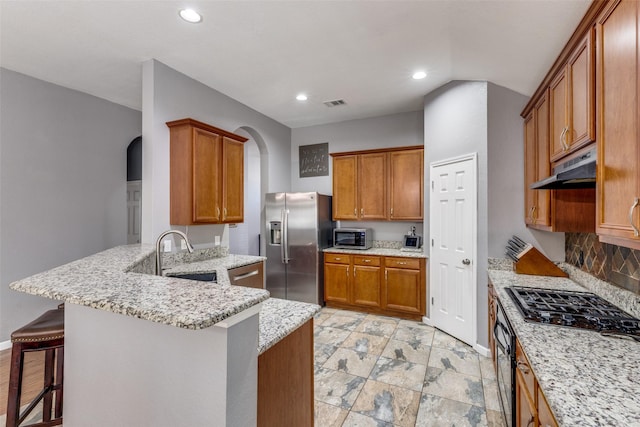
(251, 276)
(617, 74)
(378, 184)
(531, 406)
(572, 101)
(206, 174)
(536, 154)
(376, 284)
(406, 185)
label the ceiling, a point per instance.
(263, 53)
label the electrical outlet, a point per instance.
(167, 246)
(217, 240)
(183, 244)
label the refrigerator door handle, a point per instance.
(285, 236)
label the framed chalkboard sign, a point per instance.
(314, 160)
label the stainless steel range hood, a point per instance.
(579, 172)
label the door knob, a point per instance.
(466, 261)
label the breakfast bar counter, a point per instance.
(164, 351)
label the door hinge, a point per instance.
(431, 242)
(431, 300)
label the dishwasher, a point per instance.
(505, 350)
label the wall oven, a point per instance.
(505, 351)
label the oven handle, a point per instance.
(505, 347)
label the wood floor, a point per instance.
(33, 377)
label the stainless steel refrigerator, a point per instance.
(298, 228)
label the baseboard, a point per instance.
(5, 345)
(426, 321)
(482, 350)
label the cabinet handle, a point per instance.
(533, 214)
(338, 259)
(401, 263)
(361, 212)
(636, 232)
(563, 138)
(524, 367)
(354, 271)
(355, 212)
(386, 275)
(224, 213)
(530, 423)
(244, 276)
(217, 212)
(347, 272)
(367, 260)
(391, 211)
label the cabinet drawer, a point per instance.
(366, 260)
(522, 364)
(412, 263)
(337, 258)
(251, 276)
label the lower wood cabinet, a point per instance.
(377, 284)
(285, 381)
(251, 276)
(532, 409)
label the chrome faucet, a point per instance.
(158, 253)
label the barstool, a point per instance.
(46, 333)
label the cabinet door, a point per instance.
(372, 186)
(336, 283)
(617, 108)
(545, 416)
(558, 115)
(581, 95)
(530, 168)
(542, 211)
(407, 182)
(403, 290)
(232, 181)
(250, 276)
(366, 286)
(345, 169)
(206, 176)
(525, 406)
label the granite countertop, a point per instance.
(220, 265)
(278, 318)
(379, 251)
(588, 379)
(106, 281)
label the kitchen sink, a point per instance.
(203, 277)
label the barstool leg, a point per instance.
(59, 382)
(49, 366)
(15, 385)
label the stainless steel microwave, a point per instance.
(352, 238)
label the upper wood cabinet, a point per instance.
(385, 184)
(407, 185)
(618, 180)
(572, 102)
(206, 174)
(536, 165)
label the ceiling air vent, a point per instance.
(335, 103)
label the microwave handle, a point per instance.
(284, 248)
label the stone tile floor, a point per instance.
(382, 371)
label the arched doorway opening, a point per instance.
(134, 190)
(245, 238)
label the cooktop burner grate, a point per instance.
(573, 309)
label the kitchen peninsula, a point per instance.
(143, 350)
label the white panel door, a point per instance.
(452, 278)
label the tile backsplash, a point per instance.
(617, 265)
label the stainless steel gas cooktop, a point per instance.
(574, 309)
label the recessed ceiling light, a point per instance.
(301, 97)
(419, 75)
(190, 15)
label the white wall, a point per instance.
(170, 95)
(506, 177)
(395, 130)
(62, 183)
(462, 117)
